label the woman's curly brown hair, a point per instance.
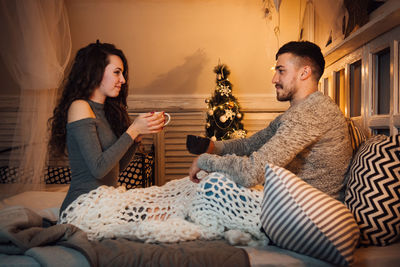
(86, 75)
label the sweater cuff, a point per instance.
(127, 139)
(202, 161)
(205, 162)
(218, 147)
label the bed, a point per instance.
(373, 180)
(69, 247)
(27, 239)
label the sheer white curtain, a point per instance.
(35, 47)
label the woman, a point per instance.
(91, 119)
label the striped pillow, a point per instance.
(299, 217)
(373, 190)
(357, 136)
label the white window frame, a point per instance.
(366, 53)
(389, 121)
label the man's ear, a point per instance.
(306, 72)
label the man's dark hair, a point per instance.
(308, 51)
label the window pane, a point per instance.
(382, 76)
(382, 131)
(339, 90)
(355, 89)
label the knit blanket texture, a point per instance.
(178, 211)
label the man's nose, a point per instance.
(274, 78)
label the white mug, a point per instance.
(165, 114)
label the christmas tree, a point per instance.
(223, 114)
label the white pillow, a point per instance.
(46, 204)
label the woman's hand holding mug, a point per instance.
(148, 123)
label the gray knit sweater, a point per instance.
(96, 155)
(310, 139)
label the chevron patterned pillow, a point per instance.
(301, 218)
(373, 190)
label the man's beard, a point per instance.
(286, 96)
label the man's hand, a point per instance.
(193, 171)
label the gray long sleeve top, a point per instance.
(96, 155)
(310, 139)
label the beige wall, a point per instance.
(173, 46)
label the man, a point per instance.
(310, 139)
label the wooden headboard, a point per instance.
(188, 117)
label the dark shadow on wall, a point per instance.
(182, 79)
(8, 86)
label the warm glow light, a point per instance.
(273, 68)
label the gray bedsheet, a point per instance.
(372, 256)
(23, 238)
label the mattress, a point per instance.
(47, 201)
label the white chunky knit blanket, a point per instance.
(178, 211)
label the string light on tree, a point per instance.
(229, 114)
(223, 113)
(238, 134)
